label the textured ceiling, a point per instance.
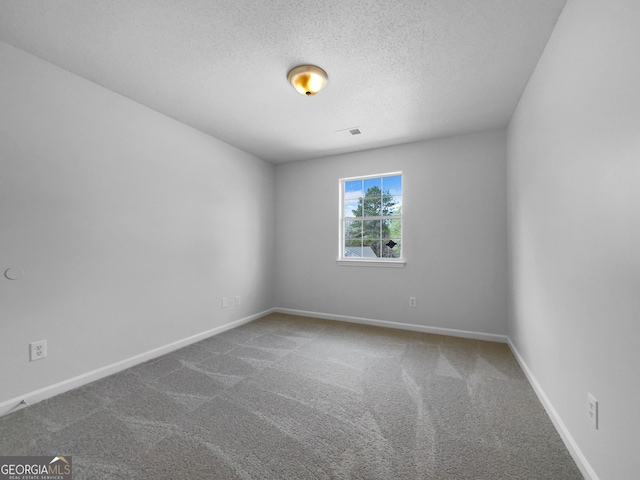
(401, 71)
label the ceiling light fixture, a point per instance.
(307, 79)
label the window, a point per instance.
(371, 218)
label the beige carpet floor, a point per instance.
(289, 397)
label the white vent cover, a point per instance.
(349, 132)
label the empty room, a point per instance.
(320, 240)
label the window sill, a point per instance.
(372, 263)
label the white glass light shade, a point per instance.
(307, 79)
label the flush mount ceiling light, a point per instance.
(307, 79)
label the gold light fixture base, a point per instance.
(307, 79)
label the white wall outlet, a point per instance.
(237, 300)
(37, 350)
(225, 302)
(412, 302)
(592, 406)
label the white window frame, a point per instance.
(368, 262)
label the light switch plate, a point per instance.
(592, 406)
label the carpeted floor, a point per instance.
(289, 397)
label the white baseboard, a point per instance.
(577, 455)
(15, 404)
(402, 326)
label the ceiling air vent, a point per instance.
(349, 132)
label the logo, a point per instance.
(35, 468)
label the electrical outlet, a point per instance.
(592, 406)
(37, 350)
(237, 300)
(225, 302)
(412, 302)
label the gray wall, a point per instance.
(455, 236)
(574, 168)
(129, 226)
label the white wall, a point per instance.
(574, 168)
(129, 226)
(455, 236)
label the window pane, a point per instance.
(353, 189)
(391, 247)
(391, 205)
(371, 229)
(373, 184)
(388, 205)
(392, 228)
(371, 206)
(372, 197)
(353, 233)
(371, 238)
(352, 252)
(392, 185)
(371, 247)
(351, 207)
